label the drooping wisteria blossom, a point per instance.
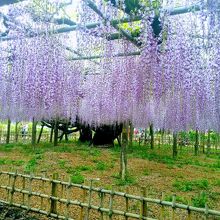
(174, 82)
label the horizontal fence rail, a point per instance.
(65, 200)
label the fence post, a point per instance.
(13, 188)
(8, 131)
(43, 189)
(127, 202)
(53, 204)
(144, 203)
(111, 203)
(162, 207)
(173, 207)
(90, 197)
(101, 204)
(206, 211)
(83, 200)
(30, 191)
(68, 187)
(23, 187)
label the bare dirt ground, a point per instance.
(194, 179)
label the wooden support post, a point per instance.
(41, 131)
(197, 142)
(131, 132)
(145, 136)
(203, 142)
(175, 137)
(56, 132)
(209, 142)
(162, 137)
(16, 131)
(34, 132)
(53, 203)
(151, 136)
(8, 131)
(123, 156)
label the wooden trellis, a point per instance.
(55, 198)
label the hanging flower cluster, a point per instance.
(174, 83)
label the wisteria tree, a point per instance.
(145, 63)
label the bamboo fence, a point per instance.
(56, 198)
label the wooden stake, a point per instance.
(41, 130)
(151, 136)
(197, 142)
(175, 144)
(123, 156)
(56, 133)
(34, 132)
(8, 131)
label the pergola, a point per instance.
(65, 24)
(122, 27)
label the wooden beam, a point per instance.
(101, 56)
(175, 11)
(124, 33)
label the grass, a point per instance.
(179, 199)
(5, 161)
(192, 178)
(217, 182)
(101, 165)
(129, 180)
(200, 200)
(185, 186)
(31, 165)
(77, 178)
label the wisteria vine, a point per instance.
(174, 83)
